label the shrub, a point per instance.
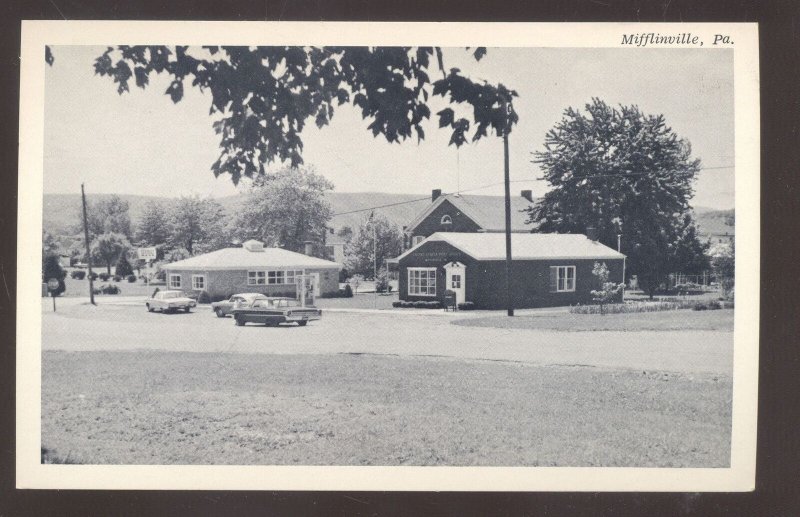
(106, 289)
(78, 274)
(344, 274)
(714, 305)
(699, 307)
(52, 269)
(466, 306)
(397, 304)
(348, 291)
(204, 297)
(103, 276)
(131, 278)
(116, 278)
(93, 276)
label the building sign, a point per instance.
(146, 253)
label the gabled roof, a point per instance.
(242, 258)
(524, 246)
(488, 212)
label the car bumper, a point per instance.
(301, 317)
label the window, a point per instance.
(198, 282)
(292, 276)
(174, 281)
(422, 281)
(446, 219)
(417, 239)
(275, 277)
(455, 282)
(256, 277)
(562, 279)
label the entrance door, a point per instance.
(456, 280)
(315, 280)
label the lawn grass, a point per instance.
(142, 407)
(683, 319)
(358, 301)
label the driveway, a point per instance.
(79, 326)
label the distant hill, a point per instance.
(61, 211)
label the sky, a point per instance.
(142, 143)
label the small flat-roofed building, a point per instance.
(251, 268)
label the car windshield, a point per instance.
(286, 303)
(174, 294)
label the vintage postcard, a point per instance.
(388, 256)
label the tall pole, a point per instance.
(88, 253)
(509, 294)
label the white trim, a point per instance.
(170, 278)
(416, 269)
(566, 277)
(416, 240)
(194, 286)
(449, 220)
(170, 267)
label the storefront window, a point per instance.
(422, 281)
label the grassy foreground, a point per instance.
(189, 408)
(683, 319)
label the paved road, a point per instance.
(77, 326)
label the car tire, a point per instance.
(149, 309)
(219, 313)
(239, 322)
(188, 309)
(302, 323)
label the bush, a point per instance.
(106, 289)
(419, 304)
(116, 278)
(103, 276)
(466, 306)
(93, 276)
(348, 291)
(204, 297)
(78, 274)
(52, 269)
(131, 278)
(344, 274)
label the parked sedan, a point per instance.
(224, 307)
(169, 301)
(274, 311)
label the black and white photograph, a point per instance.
(508, 258)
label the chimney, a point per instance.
(527, 194)
(435, 193)
(308, 248)
(591, 233)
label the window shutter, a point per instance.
(553, 279)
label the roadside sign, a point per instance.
(146, 253)
(52, 285)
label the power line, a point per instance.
(417, 200)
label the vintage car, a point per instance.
(169, 301)
(224, 307)
(274, 311)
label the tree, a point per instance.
(622, 172)
(265, 96)
(377, 237)
(107, 247)
(105, 216)
(198, 224)
(123, 267)
(608, 292)
(154, 225)
(724, 267)
(286, 209)
(49, 244)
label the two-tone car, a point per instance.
(169, 301)
(223, 308)
(274, 311)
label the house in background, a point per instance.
(334, 246)
(252, 268)
(467, 214)
(548, 270)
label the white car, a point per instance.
(169, 301)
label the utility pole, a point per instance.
(88, 252)
(509, 294)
